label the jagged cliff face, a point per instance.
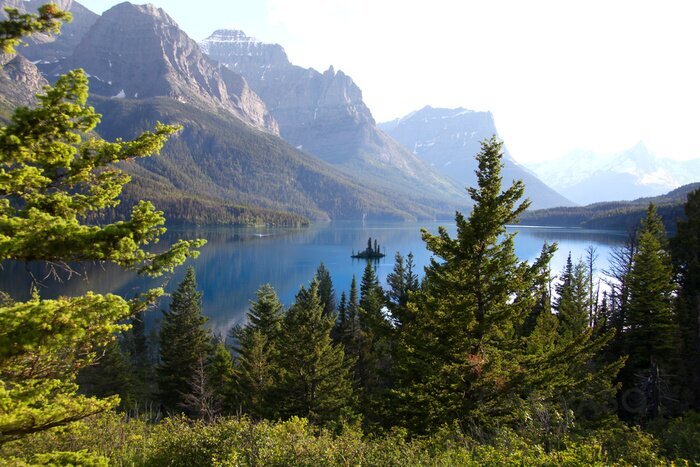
(324, 114)
(138, 51)
(20, 81)
(51, 49)
(448, 139)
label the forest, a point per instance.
(486, 359)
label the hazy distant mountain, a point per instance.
(587, 177)
(448, 139)
(324, 114)
(138, 51)
(49, 49)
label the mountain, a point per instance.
(324, 114)
(227, 165)
(448, 139)
(138, 51)
(616, 215)
(50, 49)
(20, 81)
(588, 177)
(219, 160)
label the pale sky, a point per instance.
(557, 75)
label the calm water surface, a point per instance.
(236, 261)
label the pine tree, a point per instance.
(651, 329)
(258, 351)
(372, 301)
(402, 282)
(141, 361)
(572, 303)
(53, 181)
(111, 374)
(462, 357)
(338, 332)
(315, 379)
(686, 256)
(184, 343)
(325, 290)
(221, 376)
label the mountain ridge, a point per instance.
(139, 51)
(324, 114)
(448, 139)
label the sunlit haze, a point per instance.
(557, 75)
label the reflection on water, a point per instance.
(236, 261)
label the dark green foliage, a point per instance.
(325, 290)
(462, 358)
(572, 301)
(651, 333)
(111, 375)
(257, 365)
(402, 281)
(315, 379)
(184, 344)
(221, 376)
(686, 256)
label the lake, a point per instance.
(236, 261)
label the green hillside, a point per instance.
(617, 215)
(220, 164)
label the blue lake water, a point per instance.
(236, 261)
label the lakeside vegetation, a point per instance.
(487, 360)
(615, 215)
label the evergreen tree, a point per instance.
(372, 301)
(315, 379)
(462, 357)
(651, 330)
(258, 351)
(220, 377)
(111, 374)
(142, 364)
(402, 282)
(325, 290)
(184, 344)
(53, 182)
(686, 256)
(572, 303)
(341, 320)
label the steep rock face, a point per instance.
(448, 139)
(324, 114)
(138, 51)
(588, 177)
(50, 49)
(20, 81)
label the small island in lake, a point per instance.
(371, 252)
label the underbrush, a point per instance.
(112, 439)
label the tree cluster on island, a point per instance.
(371, 252)
(488, 360)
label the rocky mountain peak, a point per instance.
(138, 51)
(234, 46)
